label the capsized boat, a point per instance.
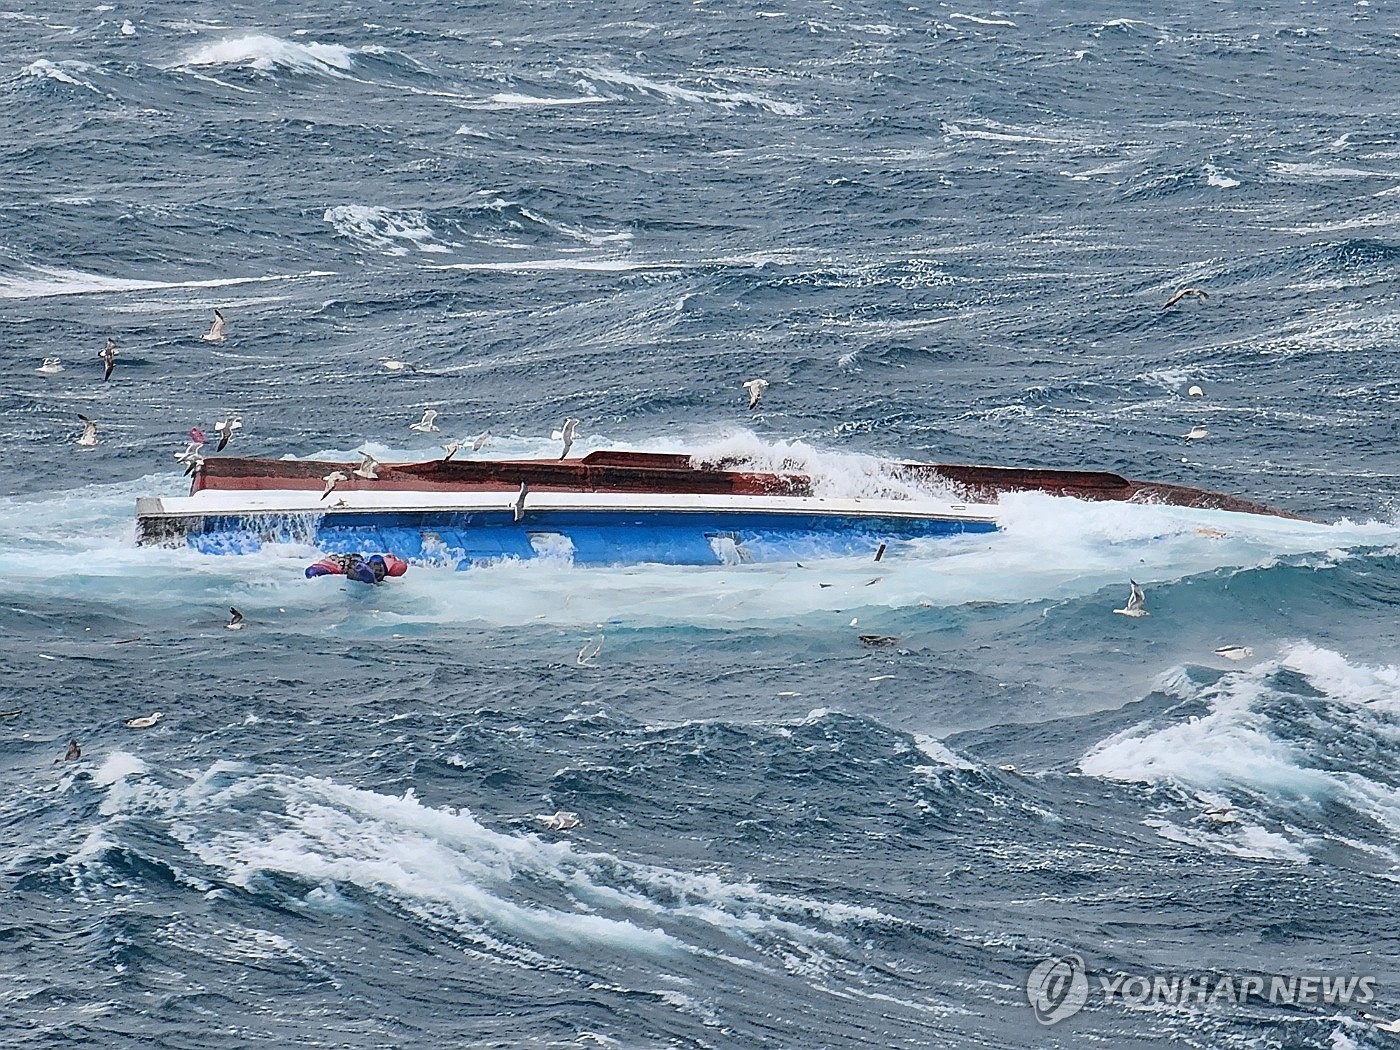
(607, 508)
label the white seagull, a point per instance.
(1196, 433)
(451, 448)
(109, 358)
(1235, 652)
(755, 387)
(235, 622)
(190, 458)
(332, 479)
(390, 364)
(1136, 602)
(1195, 391)
(225, 428)
(426, 424)
(145, 722)
(563, 820)
(481, 440)
(216, 330)
(566, 435)
(1222, 815)
(89, 435)
(368, 468)
(589, 652)
(51, 366)
(520, 501)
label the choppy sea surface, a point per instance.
(941, 231)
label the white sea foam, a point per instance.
(38, 282)
(265, 54)
(982, 20)
(510, 100)
(675, 93)
(451, 870)
(388, 231)
(1254, 745)
(59, 71)
(117, 765)
(1217, 178)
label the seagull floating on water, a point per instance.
(876, 641)
(109, 358)
(1195, 391)
(145, 722)
(1235, 652)
(1136, 602)
(225, 428)
(389, 364)
(333, 479)
(368, 468)
(755, 387)
(216, 330)
(89, 435)
(1183, 294)
(235, 622)
(73, 753)
(1196, 433)
(51, 366)
(1209, 533)
(566, 435)
(561, 821)
(426, 424)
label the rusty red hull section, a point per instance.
(647, 472)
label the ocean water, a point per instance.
(941, 232)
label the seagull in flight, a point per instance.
(426, 424)
(216, 330)
(1196, 433)
(109, 358)
(566, 435)
(333, 479)
(89, 436)
(1137, 602)
(1183, 294)
(190, 458)
(225, 428)
(51, 366)
(755, 387)
(145, 722)
(520, 501)
(368, 468)
(197, 435)
(481, 440)
(235, 622)
(451, 448)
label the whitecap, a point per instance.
(264, 54)
(388, 231)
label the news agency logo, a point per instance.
(1059, 987)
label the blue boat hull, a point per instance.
(581, 537)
